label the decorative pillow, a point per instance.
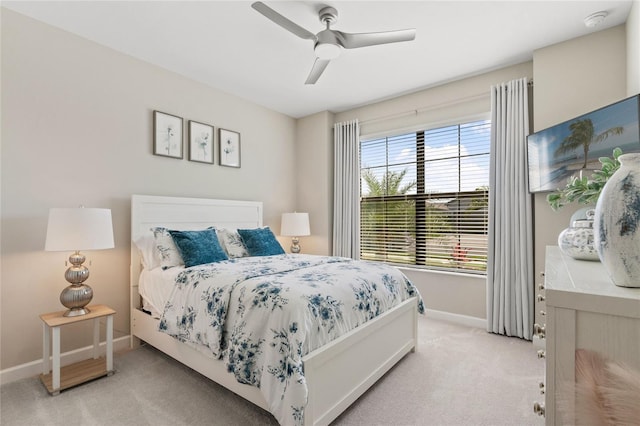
(260, 242)
(198, 247)
(232, 243)
(166, 249)
(146, 247)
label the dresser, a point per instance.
(584, 310)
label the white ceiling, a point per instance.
(230, 46)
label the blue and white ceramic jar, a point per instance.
(617, 223)
(577, 241)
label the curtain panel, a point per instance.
(346, 189)
(510, 291)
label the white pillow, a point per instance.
(166, 249)
(232, 243)
(147, 249)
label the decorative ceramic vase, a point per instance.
(617, 223)
(577, 241)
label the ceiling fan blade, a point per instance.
(318, 67)
(351, 41)
(282, 21)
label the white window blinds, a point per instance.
(424, 198)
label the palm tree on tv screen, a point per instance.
(583, 135)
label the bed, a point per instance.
(333, 375)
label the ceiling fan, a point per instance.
(327, 43)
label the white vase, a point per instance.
(617, 223)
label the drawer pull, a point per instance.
(538, 409)
(538, 330)
(542, 354)
(541, 385)
(541, 286)
(543, 313)
(541, 298)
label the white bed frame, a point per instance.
(337, 374)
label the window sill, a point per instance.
(479, 277)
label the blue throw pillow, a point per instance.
(260, 242)
(198, 247)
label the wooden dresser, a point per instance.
(584, 310)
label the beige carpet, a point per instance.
(458, 376)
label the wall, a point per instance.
(461, 294)
(314, 177)
(76, 129)
(633, 49)
(572, 78)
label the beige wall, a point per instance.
(465, 99)
(572, 78)
(76, 129)
(633, 49)
(314, 178)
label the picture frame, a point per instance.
(229, 148)
(200, 142)
(167, 135)
(573, 147)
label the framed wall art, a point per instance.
(167, 135)
(573, 147)
(229, 148)
(200, 142)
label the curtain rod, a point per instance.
(432, 107)
(425, 109)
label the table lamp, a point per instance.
(75, 229)
(295, 225)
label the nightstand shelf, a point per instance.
(57, 378)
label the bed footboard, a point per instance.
(339, 373)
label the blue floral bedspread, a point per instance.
(263, 314)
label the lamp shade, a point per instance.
(295, 225)
(79, 229)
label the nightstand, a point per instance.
(57, 379)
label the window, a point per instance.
(424, 198)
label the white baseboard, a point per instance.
(34, 368)
(457, 318)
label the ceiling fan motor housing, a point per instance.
(327, 46)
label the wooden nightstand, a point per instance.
(57, 379)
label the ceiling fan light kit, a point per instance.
(327, 51)
(328, 43)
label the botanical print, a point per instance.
(200, 142)
(229, 148)
(167, 135)
(261, 315)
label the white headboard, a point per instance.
(148, 211)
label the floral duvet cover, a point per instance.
(261, 315)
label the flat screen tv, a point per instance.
(573, 147)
